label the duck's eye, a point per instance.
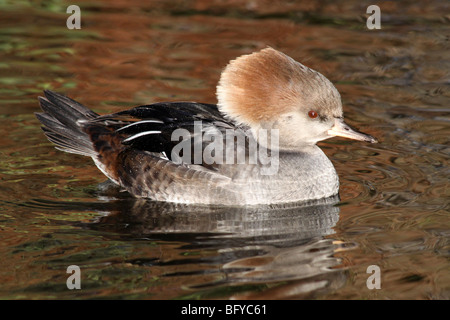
(312, 114)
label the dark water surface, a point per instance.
(394, 207)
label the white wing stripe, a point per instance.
(140, 134)
(139, 122)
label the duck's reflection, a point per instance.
(282, 246)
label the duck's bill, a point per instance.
(341, 129)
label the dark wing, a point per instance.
(133, 147)
(151, 127)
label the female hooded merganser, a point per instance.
(256, 146)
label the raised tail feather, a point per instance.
(61, 119)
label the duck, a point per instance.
(256, 146)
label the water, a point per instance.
(56, 210)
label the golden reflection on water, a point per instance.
(394, 196)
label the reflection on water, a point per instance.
(254, 245)
(394, 195)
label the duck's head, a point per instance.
(269, 90)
